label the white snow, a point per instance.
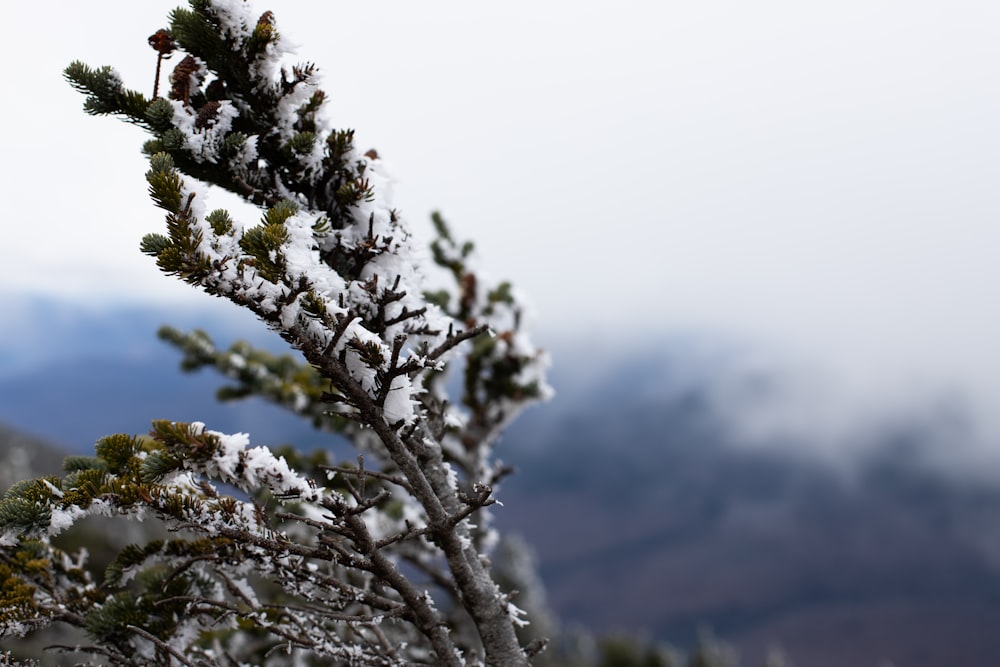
(65, 518)
(235, 17)
(204, 142)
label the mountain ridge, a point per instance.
(648, 510)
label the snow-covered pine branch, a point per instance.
(283, 557)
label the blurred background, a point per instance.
(761, 243)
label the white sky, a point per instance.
(819, 177)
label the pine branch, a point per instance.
(335, 271)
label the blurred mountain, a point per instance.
(73, 374)
(652, 516)
(649, 511)
(26, 456)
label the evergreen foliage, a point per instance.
(281, 557)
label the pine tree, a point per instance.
(282, 557)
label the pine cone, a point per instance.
(162, 42)
(207, 114)
(180, 79)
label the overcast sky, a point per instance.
(817, 178)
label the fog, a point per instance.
(813, 186)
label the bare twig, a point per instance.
(160, 644)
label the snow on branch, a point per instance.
(272, 554)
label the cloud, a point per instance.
(817, 180)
